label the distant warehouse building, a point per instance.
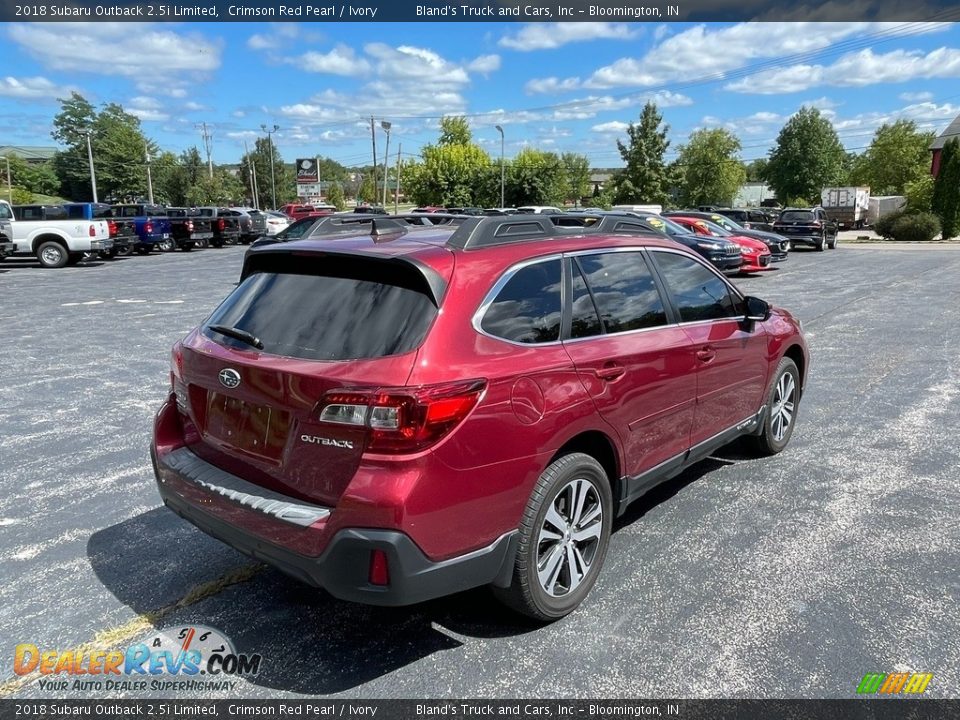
(752, 194)
(33, 154)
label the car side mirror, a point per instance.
(755, 309)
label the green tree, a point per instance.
(118, 144)
(33, 178)
(535, 177)
(709, 168)
(898, 155)
(807, 157)
(946, 189)
(451, 175)
(455, 130)
(335, 196)
(366, 189)
(919, 193)
(756, 170)
(576, 168)
(645, 178)
(257, 161)
(224, 188)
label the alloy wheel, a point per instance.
(569, 537)
(784, 400)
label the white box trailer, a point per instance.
(847, 206)
(883, 205)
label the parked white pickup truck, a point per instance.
(45, 232)
(6, 231)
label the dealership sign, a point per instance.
(308, 171)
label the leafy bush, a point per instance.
(915, 227)
(884, 226)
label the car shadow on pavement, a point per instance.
(310, 641)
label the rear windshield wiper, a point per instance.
(238, 334)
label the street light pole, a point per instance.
(273, 180)
(386, 154)
(9, 181)
(500, 130)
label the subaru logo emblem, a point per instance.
(229, 378)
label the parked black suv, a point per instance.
(807, 226)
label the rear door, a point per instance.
(342, 322)
(637, 365)
(730, 355)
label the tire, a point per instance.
(187, 247)
(822, 243)
(774, 435)
(143, 249)
(833, 243)
(202, 244)
(52, 255)
(168, 245)
(74, 258)
(548, 582)
(123, 250)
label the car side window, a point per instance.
(624, 291)
(585, 320)
(527, 309)
(698, 293)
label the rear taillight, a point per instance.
(189, 225)
(816, 223)
(176, 378)
(93, 231)
(402, 420)
(112, 227)
(148, 228)
(221, 224)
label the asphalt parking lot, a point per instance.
(785, 577)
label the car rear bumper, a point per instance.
(195, 489)
(812, 240)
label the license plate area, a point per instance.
(256, 429)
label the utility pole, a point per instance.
(396, 196)
(146, 152)
(251, 169)
(386, 158)
(208, 146)
(9, 181)
(373, 139)
(93, 175)
(273, 180)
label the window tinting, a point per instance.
(527, 309)
(698, 293)
(584, 322)
(347, 310)
(75, 212)
(624, 291)
(796, 216)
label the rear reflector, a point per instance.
(379, 572)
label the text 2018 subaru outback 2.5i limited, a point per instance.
(395, 418)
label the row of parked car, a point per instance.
(59, 235)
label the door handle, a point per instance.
(610, 372)
(706, 354)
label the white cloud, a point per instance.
(687, 56)
(341, 60)
(857, 69)
(551, 85)
(484, 64)
(134, 50)
(546, 36)
(33, 88)
(192, 106)
(916, 96)
(614, 127)
(147, 108)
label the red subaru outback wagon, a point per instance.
(399, 417)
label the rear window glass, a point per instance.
(345, 310)
(527, 309)
(796, 216)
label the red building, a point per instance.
(936, 147)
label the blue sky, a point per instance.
(561, 87)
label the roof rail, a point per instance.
(606, 222)
(486, 231)
(354, 225)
